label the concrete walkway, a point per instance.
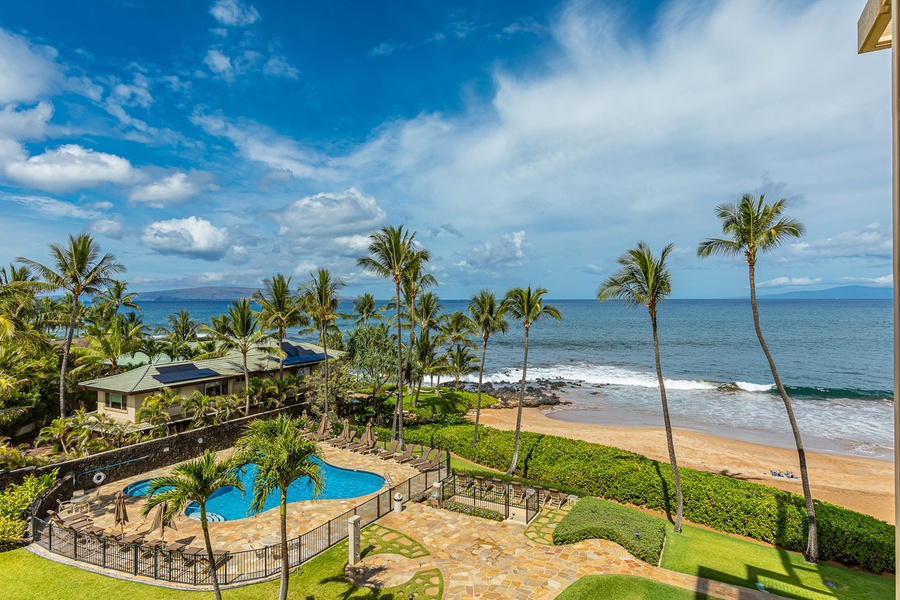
(481, 559)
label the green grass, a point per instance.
(461, 464)
(720, 557)
(25, 576)
(625, 587)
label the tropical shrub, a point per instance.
(731, 505)
(448, 407)
(591, 518)
(473, 511)
(15, 503)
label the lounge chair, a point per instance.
(556, 498)
(392, 452)
(518, 492)
(464, 481)
(348, 442)
(362, 447)
(406, 456)
(432, 464)
(426, 452)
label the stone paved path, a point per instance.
(481, 559)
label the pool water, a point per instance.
(229, 504)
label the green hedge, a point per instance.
(592, 518)
(749, 509)
(15, 503)
(448, 407)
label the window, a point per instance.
(116, 401)
(215, 388)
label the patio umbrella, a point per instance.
(121, 514)
(160, 521)
(345, 434)
(323, 426)
(369, 435)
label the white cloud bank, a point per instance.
(192, 237)
(70, 167)
(171, 189)
(234, 13)
(789, 281)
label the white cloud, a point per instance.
(136, 93)
(27, 71)
(507, 252)
(70, 167)
(260, 144)
(234, 13)
(278, 66)
(173, 188)
(54, 208)
(111, 228)
(219, 64)
(789, 281)
(337, 222)
(873, 242)
(192, 237)
(386, 48)
(25, 124)
(883, 281)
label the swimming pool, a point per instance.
(228, 504)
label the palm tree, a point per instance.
(528, 306)
(58, 432)
(116, 295)
(390, 251)
(242, 332)
(413, 282)
(79, 269)
(642, 279)
(108, 346)
(195, 481)
(753, 226)
(155, 409)
(428, 311)
(282, 456)
(461, 362)
(456, 329)
(366, 309)
(280, 309)
(202, 408)
(319, 297)
(488, 317)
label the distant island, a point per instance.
(846, 292)
(212, 293)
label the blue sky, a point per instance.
(527, 142)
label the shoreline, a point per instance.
(863, 484)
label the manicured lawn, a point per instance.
(624, 587)
(461, 464)
(731, 560)
(25, 576)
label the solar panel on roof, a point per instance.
(289, 349)
(182, 372)
(304, 357)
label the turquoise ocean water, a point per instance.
(835, 356)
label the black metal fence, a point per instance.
(492, 494)
(195, 568)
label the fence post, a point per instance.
(134, 559)
(103, 542)
(50, 536)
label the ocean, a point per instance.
(834, 356)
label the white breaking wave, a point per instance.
(596, 375)
(754, 387)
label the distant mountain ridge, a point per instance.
(214, 293)
(846, 292)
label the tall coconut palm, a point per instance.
(456, 329)
(526, 305)
(319, 297)
(428, 312)
(280, 309)
(282, 456)
(116, 295)
(644, 280)
(106, 347)
(366, 309)
(488, 317)
(79, 269)
(753, 226)
(242, 332)
(194, 481)
(461, 362)
(390, 250)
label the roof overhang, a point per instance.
(874, 28)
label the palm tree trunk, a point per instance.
(285, 559)
(397, 429)
(515, 458)
(412, 331)
(679, 513)
(246, 386)
(325, 348)
(812, 547)
(281, 336)
(209, 551)
(478, 403)
(64, 367)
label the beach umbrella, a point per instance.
(369, 435)
(160, 521)
(121, 514)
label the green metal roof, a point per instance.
(140, 380)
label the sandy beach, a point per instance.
(861, 484)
